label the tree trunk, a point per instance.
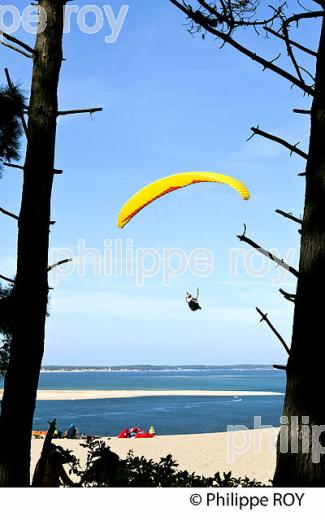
(305, 372)
(31, 286)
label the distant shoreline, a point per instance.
(151, 368)
(73, 395)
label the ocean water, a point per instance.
(170, 414)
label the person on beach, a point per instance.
(71, 432)
(193, 303)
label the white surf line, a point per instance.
(66, 395)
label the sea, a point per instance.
(170, 415)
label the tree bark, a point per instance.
(305, 371)
(31, 284)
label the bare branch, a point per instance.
(293, 43)
(17, 42)
(291, 53)
(266, 253)
(290, 216)
(312, 77)
(300, 2)
(302, 111)
(198, 18)
(19, 167)
(235, 22)
(57, 264)
(288, 296)
(12, 215)
(292, 147)
(302, 16)
(81, 111)
(6, 279)
(13, 48)
(280, 367)
(278, 335)
(5, 212)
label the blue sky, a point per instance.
(172, 102)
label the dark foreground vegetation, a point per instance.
(105, 468)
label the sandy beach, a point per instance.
(249, 452)
(66, 395)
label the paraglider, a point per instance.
(193, 303)
(165, 185)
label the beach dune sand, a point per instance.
(248, 453)
(65, 395)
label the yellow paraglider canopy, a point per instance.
(161, 187)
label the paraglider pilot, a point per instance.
(193, 303)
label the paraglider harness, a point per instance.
(193, 303)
